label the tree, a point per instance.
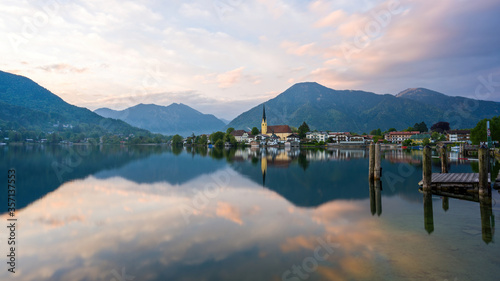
(176, 140)
(229, 130)
(376, 132)
(426, 141)
(303, 129)
(217, 136)
(15, 136)
(231, 139)
(202, 140)
(440, 127)
(375, 139)
(219, 143)
(391, 130)
(255, 131)
(421, 127)
(407, 142)
(478, 134)
(435, 136)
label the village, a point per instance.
(286, 136)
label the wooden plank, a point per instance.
(469, 177)
(455, 178)
(462, 177)
(474, 177)
(436, 177)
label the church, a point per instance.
(281, 131)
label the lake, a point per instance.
(157, 213)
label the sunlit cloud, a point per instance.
(241, 49)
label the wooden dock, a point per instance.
(455, 180)
(479, 182)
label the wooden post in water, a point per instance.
(376, 168)
(444, 159)
(427, 168)
(371, 162)
(483, 156)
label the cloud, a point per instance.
(332, 19)
(228, 211)
(299, 50)
(62, 68)
(230, 78)
(250, 48)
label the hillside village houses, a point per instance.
(281, 134)
(399, 137)
(458, 136)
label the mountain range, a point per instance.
(323, 108)
(26, 104)
(176, 118)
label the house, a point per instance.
(356, 140)
(318, 136)
(282, 131)
(293, 137)
(399, 137)
(339, 137)
(419, 139)
(458, 135)
(238, 135)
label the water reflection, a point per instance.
(485, 207)
(269, 213)
(428, 213)
(376, 197)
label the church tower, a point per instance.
(263, 125)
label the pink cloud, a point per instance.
(230, 78)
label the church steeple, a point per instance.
(263, 125)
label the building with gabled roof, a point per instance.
(281, 131)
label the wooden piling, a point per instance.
(483, 158)
(376, 168)
(427, 168)
(444, 159)
(371, 156)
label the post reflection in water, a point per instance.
(487, 218)
(376, 197)
(428, 214)
(485, 206)
(446, 203)
(273, 209)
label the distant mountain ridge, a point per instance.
(323, 108)
(26, 103)
(176, 118)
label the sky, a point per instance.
(224, 57)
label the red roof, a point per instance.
(238, 133)
(458, 132)
(404, 133)
(279, 129)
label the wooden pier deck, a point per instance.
(464, 180)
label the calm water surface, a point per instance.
(153, 213)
